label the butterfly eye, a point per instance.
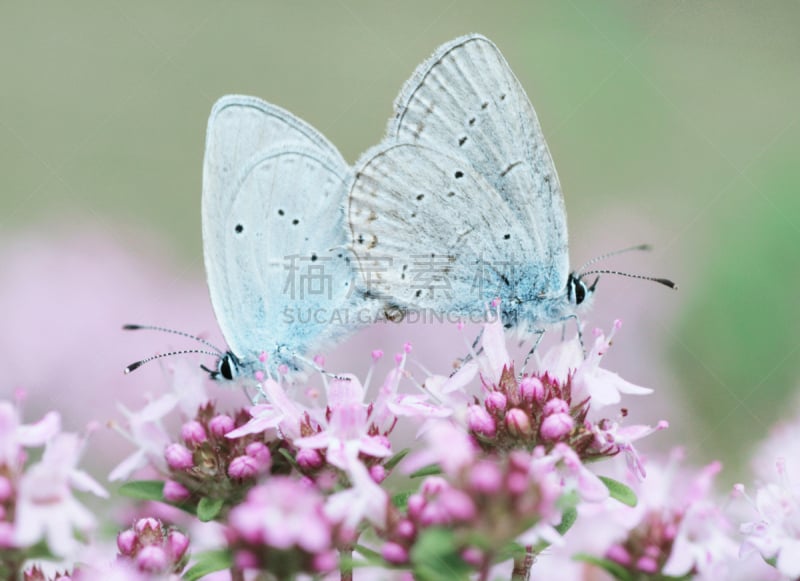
(580, 291)
(227, 366)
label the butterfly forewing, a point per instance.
(466, 99)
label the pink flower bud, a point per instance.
(394, 553)
(260, 453)
(378, 473)
(480, 422)
(406, 529)
(243, 467)
(458, 504)
(193, 433)
(309, 459)
(324, 562)
(647, 565)
(416, 502)
(175, 491)
(518, 483)
(220, 425)
(556, 426)
(496, 401)
(531, 389)
(518, 423)
(178, 457)
(177, 543)
(148, 525)
(619, 554)
(152, 559)
(556, 406)
(126, 542)
(486, 478)
(473, 556)
(434, 515)
(434, 485)
(245, 560)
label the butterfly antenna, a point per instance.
(645, 247)
(219, 351)
(665, 281)
(136, 365)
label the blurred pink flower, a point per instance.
(776, 533)
(14, 435)
(46, 508)
(65, 293)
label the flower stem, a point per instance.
(346, 563)
(522, 566)
(237, 574)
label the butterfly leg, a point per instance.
(539, 337)
(472, 352)
(313, 364)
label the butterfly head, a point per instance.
(577, 290)
(228, 367)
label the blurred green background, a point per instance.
(674, 123)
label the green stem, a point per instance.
(346, 562)
(522, 566)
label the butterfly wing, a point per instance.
(466, 99)
(273, 233)
(429, 231)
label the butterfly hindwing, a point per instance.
(273, 230)
(420, 241)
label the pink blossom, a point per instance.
(14, 436)
(147, 433)
(449, 446)
(588, 379)
(46, 508)
(346, 434)
(283, 513)
(281, 414)
(365, 500)
(776, 533)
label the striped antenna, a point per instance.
(645, 247)
(174, 332)
(136, 365)
(665, 281)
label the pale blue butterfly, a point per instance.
(464, 185)
(279, 273)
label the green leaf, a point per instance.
(208, 508)
(291, 459)
(431, 470)
(435, 557)
(568, 518)
(400, 500)
(395, 460)
(208, 562)
(616, 570)
(370, 555)
(143, 490)
(620, 491)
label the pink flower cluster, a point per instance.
(151, 547)
(282, 527)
